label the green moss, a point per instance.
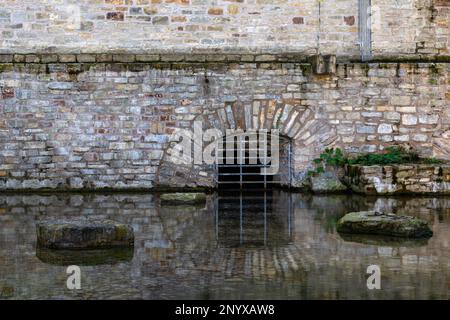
(6, 292)
(432, 81)
(306, 69)
(85, 257)
(6, 67)
(434, 69)
(385, 66)
(393, 155)
(369, 222)
(121, 232)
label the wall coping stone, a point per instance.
(191, 58)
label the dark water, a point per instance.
(256, 246)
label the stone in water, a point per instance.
(372, 222)
(83, 233)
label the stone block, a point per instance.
(372, 222)
(83, 233)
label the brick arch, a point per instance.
(287, 116)
(309, 136)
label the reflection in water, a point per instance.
(253, 219)
(84, 257)
(237, 246)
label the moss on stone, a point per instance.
(85, 257)
(371, 222)
(6, 67)
(83, 233)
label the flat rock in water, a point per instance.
(83, 233)
(371, 222)
(183, 198)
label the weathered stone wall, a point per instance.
(405, 27)
(108, 125)
(398, 179)
(411, 28)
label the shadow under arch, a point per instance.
(254, 159)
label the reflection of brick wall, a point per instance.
(405, 27)
(171, 260)
(157, 232)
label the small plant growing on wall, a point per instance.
(334, 158)
(331, 157)
(392, 155)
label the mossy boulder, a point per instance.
(372, 222)
(327, 183)
(83, 233)
(182, 198)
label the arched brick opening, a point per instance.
(253, 160)
(308, 133)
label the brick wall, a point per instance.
(407, 27)
(97, 125)
(401, 28)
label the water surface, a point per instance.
(275, 245)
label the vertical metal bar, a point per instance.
(289, 164)
(365, 30)
(241, 228)
(216, 165)
(240, 159)
(265, 163)
(217, 218)
(265, 218)
(289, 214)
(265, 178)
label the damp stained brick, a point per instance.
(115, 16)
(350, 20)
(298, 20)
(7, 92)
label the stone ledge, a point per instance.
(399, 179)
(131, 58)
(196, 58)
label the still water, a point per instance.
(274, 245)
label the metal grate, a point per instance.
(238, 166)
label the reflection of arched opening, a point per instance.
(254, 218)
(255, 160)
